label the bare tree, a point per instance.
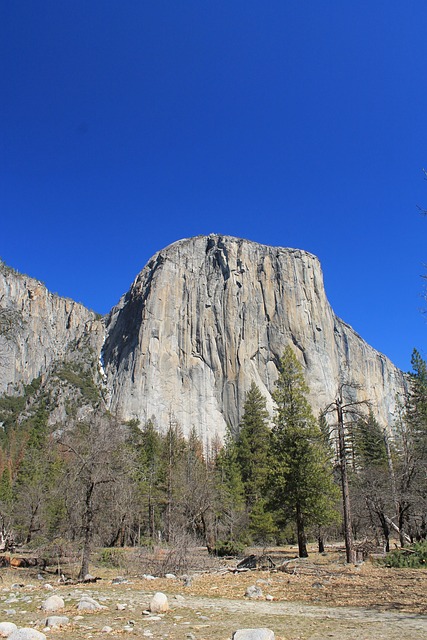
(93, 452)
(346, 411)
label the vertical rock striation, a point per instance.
(41, 327)
(209, 315)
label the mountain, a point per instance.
(203, 319)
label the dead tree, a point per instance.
(343, 409)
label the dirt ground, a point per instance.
(314, 599)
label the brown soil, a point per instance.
(314, 599)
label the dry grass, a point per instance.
(311, 599)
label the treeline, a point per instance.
(97, 481)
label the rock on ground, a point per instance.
(53, 603)
(89, 604)
(159, 603)
(253, 634)
(26, 633)
(253, 592)
(56, 622)
(6, 628)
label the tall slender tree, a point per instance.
(302, 474)
(253, 458)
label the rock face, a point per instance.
(43, 327)
(203, 320)
(209, 315)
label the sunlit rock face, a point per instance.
(37, 328)
(210, 315)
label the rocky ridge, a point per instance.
(204, 318)
(209, 315)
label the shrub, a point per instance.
(228, 548)
(414, 557)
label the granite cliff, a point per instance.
(203, 319)
(38, 329)
(209, 315)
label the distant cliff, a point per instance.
(38, 328)
(209, 315)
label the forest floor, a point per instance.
(314, 599)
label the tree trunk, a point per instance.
(302, 540)
(321, 541)
(348, 536)
(88, 533)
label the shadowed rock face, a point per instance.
(209, 315)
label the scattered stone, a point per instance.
(78, 618)
(146, 612)
(253, 592)
(147, 633)
(89, 578)
(159, 603)
(269, 597)
(25, 633)
(118, 580)
(56, 622)
(89, 604)
(170, 576)
(17, 585)
(121, 606)
(318, 585)
(6, 628)
(106, 629)
(190, 636)
(11, 600)
(149, 577)
(10, 612)
(253, 634)
(48, 586)
(53, 603)
(179, 598)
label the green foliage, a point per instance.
(76, 376)
(228, 547)
(302, 480)
(262, 525)
(252, 446)
(111, 557)
(369, 442)
(413, 557)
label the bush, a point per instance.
(228, 548)
(413, 557)
(111, 557)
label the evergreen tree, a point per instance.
(411, 467)
(253, 458)
(230, 513)
(302, 474)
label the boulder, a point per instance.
(53, 603)
(254, 591)
(56, 622)
(253, 634)
(89, 604)
(159, 603)
(26, 633)
(6, 628)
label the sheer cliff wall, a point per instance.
(209, 315)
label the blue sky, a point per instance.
(125, 126)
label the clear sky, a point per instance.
(127, 125)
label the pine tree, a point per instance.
(303, 487)
(230, 512)
(253, 458)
